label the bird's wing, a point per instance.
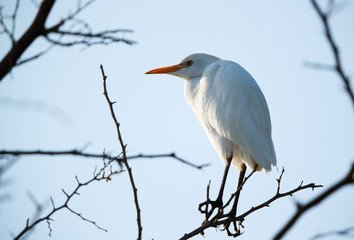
(235, 107)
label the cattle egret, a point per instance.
(232, 110)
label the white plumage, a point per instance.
(230, 107)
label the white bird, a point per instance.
(231, 108)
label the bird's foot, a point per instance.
(231, 219)
(217, 204)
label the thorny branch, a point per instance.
(221, 221)
(76, 32)
(124, 156)
(105, 173)
(302, 208)
(338, 63)
(76, 152)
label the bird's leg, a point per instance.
(218, 202)
(232, 214)
(238, 190)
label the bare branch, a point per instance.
(13, 17)
(81, 153)
(4, 167)
(39, 207)
(85, 36)
(50, 229)
(87, 220)
(20, 62)
(343, 232)
(81, 36)
(35, 30)
(171, 155)
(346, 180)
(96, 178)
(124, 156)
(224, 220)
(35, 105)
(88, 39)
(324, 16)
(5, 30)
(319, 66)
(58, 153)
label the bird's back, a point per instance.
(233, 111)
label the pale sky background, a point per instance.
(312, 118)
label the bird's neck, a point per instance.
(191, 88)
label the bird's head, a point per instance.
(190, 67)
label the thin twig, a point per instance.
(124, 156)
(343, 232)
(13, 17)
(319, 66)
(171, 155)
(20, 61)
(5, 28)
(88, 39)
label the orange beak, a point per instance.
(169, 69)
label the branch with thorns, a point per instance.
(124, 154)
(224, 221)
(105, 173)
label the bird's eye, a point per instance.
(189, 63)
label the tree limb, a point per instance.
(101, 175)
(83, 36)
(221, 221)
(124, 156)
(338, 63)
(76, 152)
(302, 208)
(35, 30)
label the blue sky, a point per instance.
(311, 114)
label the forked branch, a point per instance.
(105, 173)
(324, 16)
(220, 221)
(69, 31)
(302, 208)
